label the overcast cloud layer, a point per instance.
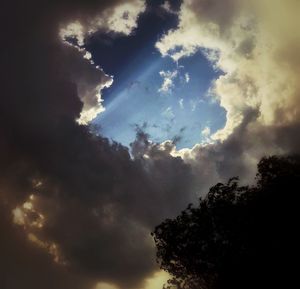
(76, 211)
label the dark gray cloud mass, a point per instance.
(97, 204)
(76, 209)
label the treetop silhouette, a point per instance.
(239, 236)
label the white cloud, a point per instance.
(181, 105)
(187, 77)
(168, 113)
(124, 17)
(90, 79)
(193, 104)
(92, 101)
(248, 44)
(73, 30)
(119, 19)
(167, 6)
(168, 77)
(206, 132)
(259, 87)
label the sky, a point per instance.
(178, 110)
(115, 115)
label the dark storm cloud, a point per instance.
(84, 202)
(23, 265)
(96, 203)
(239, 153)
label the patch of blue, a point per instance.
(134, 98)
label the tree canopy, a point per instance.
(238, 236)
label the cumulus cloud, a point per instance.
(167, 6)
(121, 18)
(206, 133)
(90, 81)
(187, 77)
(181, 104)
(258, 86)
(236, 37)
(76, 210)
(168, 113)
(124, 17)
(168, 78)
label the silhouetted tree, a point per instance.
(239, 236)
